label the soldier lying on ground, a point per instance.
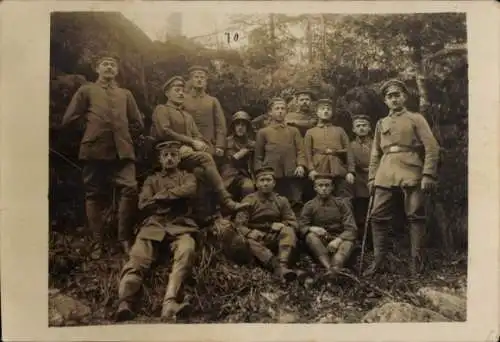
(281, 147)
(237, 170)
(327, 225)
(327, 150)
(171, 122)
(112, 120)
(269, 224)
(404, 157)
(165, 201)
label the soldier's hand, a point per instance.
(350, 178)
(313, 174)
(320, 231)
(334, 245)
(219, 152)
(428, 184)
(277, 226)
(241, 153)
(199, 145)
(299, 172)
(185, 149)
(256, 235)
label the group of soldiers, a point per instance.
(301, 180)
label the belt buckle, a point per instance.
(328, 151)
(394, 149)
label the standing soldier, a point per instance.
(404, 157)
(327, 225)
(269, 224)
(328, 150)
(171, 122)
(361, 147)
(164, 200)
(206, 111)
(237, 171)
(304, 119)
(281, 147)
(112, 122)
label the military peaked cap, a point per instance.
(241, 115)
(106, 55)
(170, 82)
(360, 117)
(323, 176)
(274, 100)
(263, 171)
(305, 91)
(170, 145)
(324, 101)
(393, 83)
(198, 68)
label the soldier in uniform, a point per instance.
(269, 224)
(281, 147)
(327, 226)
(170, 121)
(304, 119)
(237, 171)
(404, 157)
(112, 121)
(165, 202)
(327, 150)
(361, 147)
(206, 111)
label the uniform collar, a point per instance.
(271, 196)
(401, 112)
(164, 173)
(324, 124)
(326, 201)
(196, 94)
(106, 85)
(277, 124)
(174, 106)
(367, 141)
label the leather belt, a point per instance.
(398, 149)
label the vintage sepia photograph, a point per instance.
(259, 168)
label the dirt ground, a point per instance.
(222, 291)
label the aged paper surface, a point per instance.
(24, 240)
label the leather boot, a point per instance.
(124, 312)
(126, 215)
(232, 205)
(379, 248)
(93, 208)
(417, 232)
(282, 271)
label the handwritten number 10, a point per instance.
(235, 37)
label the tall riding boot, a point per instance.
(93, 208)
(283, 270)
(171, 308)
(126, 214)
(318, 249)
(379, 232)
(214, 179)
(417, 233)
(129, 286)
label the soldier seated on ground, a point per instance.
(327, 225)
(269, 223)
(237, 170)
(164, 201)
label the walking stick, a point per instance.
(365, 233)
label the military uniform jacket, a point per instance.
(301, 121)
(333, 215)
(208, 116)
(361, 151)
(112, 119)
(264, 211)
(403, 150)
(164, 200)
(280, 147)
(237, 167)
(327, 150)
(171, 122)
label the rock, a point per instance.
(64, 310)
(402, 312)
(329, 318)
(446, 304)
